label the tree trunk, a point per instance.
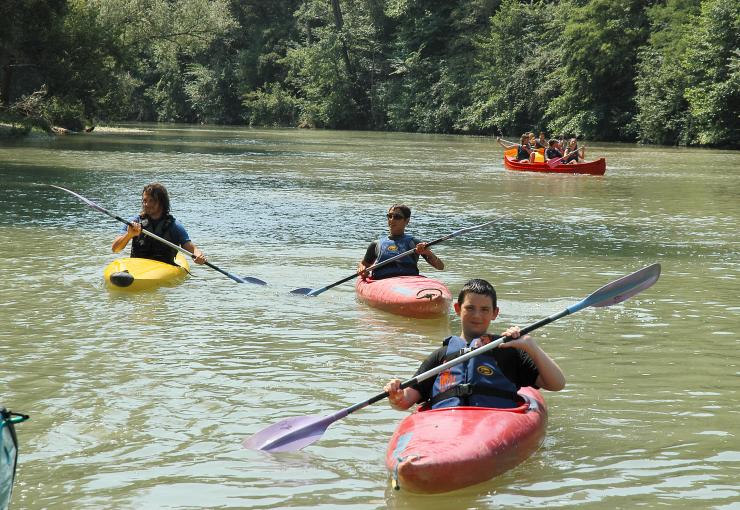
(339, 23)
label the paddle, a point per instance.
(238, 279)
(295, 433)
(552, 163)
(315, 292)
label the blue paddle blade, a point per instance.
(625, 287)
(303, 291)
(290, 435)
(252, 279)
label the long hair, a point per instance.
(159, 193)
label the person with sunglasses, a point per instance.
(156, 218)
(397, 241)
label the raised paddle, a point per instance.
(295, 433)
(315, 292)
(238, 279)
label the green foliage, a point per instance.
(661, 80)
(515, 77)
(662, 71)
(688, 84)
(598, 51)
(274, 106)
(712, 62)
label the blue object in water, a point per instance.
(8, 453)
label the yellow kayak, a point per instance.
(135, 274)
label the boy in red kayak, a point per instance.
(489, 380)
(397, 241)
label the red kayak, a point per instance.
(445, 449)
(412, 296)
(596, 167)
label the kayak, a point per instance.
(8, 454)
(446, 449)
(412, 296)
(135, 274)
(596, 167)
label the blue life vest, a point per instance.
(405, 266)
(145, 247)
(476, 382)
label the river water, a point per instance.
(142, 401)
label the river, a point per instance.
(142, 401)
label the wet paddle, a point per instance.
(298, 432)
(238, 279)
(315, 292)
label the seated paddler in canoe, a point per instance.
(151, 262)
(396, 286)
(482, 416)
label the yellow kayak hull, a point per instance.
(137, 274)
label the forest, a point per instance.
(655, 72)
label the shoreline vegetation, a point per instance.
(662, 73)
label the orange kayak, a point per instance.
(412, 296)
(442, 450)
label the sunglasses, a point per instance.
(395, 216)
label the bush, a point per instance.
(273, 106)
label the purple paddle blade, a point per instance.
(290, 435)
(552, 163)
(625, 287)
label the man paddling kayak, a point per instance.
(489, 380)
(397, 242)
(156, 218)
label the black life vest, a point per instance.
(145, 247)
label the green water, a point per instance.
(142, 401)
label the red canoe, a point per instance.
(412, 296)
(596, 167)
(442, 450)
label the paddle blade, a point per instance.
(552, 163)
(290, 435)
(252, 279)
(625, 287)
(303, 291)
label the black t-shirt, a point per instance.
(552, 152)
(516, 365)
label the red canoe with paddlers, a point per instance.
(596, 167)
(442, 450)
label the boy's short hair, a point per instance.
(552, 142)
(477, 286)
(405, 210)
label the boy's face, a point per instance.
(476, 312)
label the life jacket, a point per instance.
(476, 382)
(405, 266)
(522, 152)
(145, 247)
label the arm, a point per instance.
(199, 258)
(120, 242)
(401, 399)
(551, 376)
(423, 250)
(368, 260)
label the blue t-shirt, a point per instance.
(177, 231)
